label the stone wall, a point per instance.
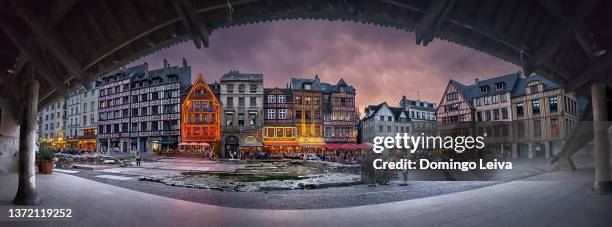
(9, 138)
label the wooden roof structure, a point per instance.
(66, 43)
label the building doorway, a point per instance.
(539, 150)
(231, 145)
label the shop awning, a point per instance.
(164, 142)
(346, 146)
(281, 144)
(256, 144)
(202, 144)
(312, 144)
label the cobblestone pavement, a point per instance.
(565, 201)
(348, 196)
(191, 164)
(297, 199)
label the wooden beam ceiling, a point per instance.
(18, 38)
(581, 35)
(435, 15)
(50, 42)
(189, 17)
(598, 70)
(55, 14)
(560, 34)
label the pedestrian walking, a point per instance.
(137, 157)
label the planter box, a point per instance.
(45, 166)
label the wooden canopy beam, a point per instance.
(188, 15)
(8, 85)
(57, 12)
(18, 38)
(560, 34)
(594, 73)
(581, 35)
(435, 15)
(491, 33)
(50, 42)
(138, 32)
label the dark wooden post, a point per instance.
(602, 147)
(26, 192)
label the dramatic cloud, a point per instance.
(382, 63)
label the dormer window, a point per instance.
(500, 86)
(271, 99)
(307, 86)
(342, 89)
(484, 89)
(533, 89)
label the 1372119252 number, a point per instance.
(40, 213)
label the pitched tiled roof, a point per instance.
(513, 84)
(168, 74)
(123, 73)
(473, 91)
(374, 108)
(520, 87)
(237, 76)
(396, 111)
(328, 88)
(286, 91)
(509, 81)
(215, 87)
(465, 90)
(298, 84)
(418, 104)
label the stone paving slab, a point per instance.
(65, 171)
(114, 177)
(136, 171)
(508, 204)
(92, 166)
(208, 166)
(187, 160)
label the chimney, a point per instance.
(184, 62)
(317, 77)
(166, 65)
(287, 85)
(476, 81)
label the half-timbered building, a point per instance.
(455, 112)
(200, 115)
(155, 107)
(307, 109)
(114, 107)
(544, 116)
(279, 130)
(339, 113)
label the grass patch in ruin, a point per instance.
(237, 177)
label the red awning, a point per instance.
(280, 144)
(345, 146)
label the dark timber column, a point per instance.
(602, 152)
(26, 192)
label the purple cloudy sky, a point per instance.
(382, 63)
